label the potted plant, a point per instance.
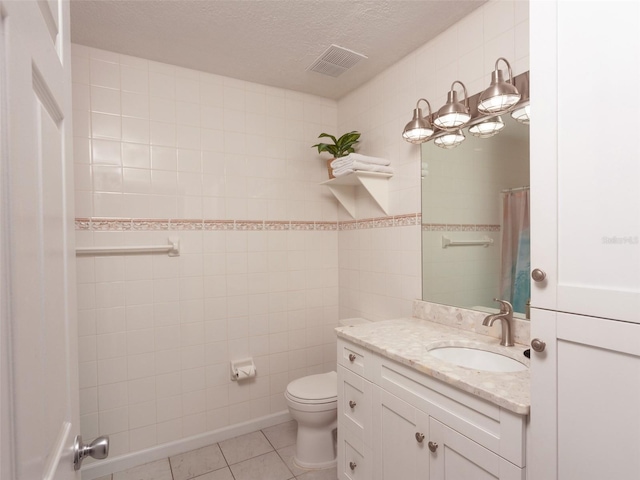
(339, 148)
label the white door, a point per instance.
(39, 384)
(585, 157)
(585, 394)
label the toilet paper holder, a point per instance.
(243, 369)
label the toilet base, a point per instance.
(320, 466)
(316, 448)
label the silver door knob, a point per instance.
(419, 437)
(352, 357)
(97, 449)
(352, 404)
(433, 446)
(538, 275)
(353, 465)
(538, 345)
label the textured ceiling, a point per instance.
(266, 41)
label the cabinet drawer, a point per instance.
(354, 403)
(354, 456)
(353, 358)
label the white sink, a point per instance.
(478, 359)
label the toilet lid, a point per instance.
(315, 387)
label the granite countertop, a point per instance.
(407, 341)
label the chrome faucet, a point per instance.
(505, 316)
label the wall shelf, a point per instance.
(344, 189)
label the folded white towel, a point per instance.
(361, 167)
(356, 157)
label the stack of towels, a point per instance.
(354, 162)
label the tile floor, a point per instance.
(263, 455)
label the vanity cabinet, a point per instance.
(419, 427)
(585, 223)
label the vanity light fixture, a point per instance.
(522, 114)
(419, 129)
(487, 128)
(501, 95)
(450, 139)
(453, 114)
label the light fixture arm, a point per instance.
(508, 69)
(428, 107)
(464, 90)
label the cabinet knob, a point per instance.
(353, 465)
(538, 275)
(538, 345)
(419, 437)
(433, 446)
(352, 404)
(352, 357)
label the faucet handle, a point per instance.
(505, 307)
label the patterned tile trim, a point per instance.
(441, 227)
(155, 224)
(143, 224)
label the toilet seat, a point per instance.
(314, 389)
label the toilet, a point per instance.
(313, 403)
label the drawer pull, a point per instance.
(352, 357)
(433, 446)
(353, 465)
(419, 437)
(352, 404)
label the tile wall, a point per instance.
(380, 109)
(225, 166)
(269, 261)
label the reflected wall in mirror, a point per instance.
(470, 242)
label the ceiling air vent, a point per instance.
(335, 61)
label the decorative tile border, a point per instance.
(142, 224)
(219, 224)
(442, 227)
(186, 224)
(159, 224)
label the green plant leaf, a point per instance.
(326, 135)
(340, 146)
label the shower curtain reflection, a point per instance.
(515, 262)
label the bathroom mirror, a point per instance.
(467, 259)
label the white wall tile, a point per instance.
(105, 74)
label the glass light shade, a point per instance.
(417, 135)
(501, 95)
(450, 140)
(453, 114)
(419, 129)
(522, 114)
(498, 103)
(487, 128)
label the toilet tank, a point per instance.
(350, 322)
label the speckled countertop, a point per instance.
(407, 341)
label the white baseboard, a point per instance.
(123, 462)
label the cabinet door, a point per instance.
(401, 434)
(589, 395)
(457, 457)
(585, 210)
